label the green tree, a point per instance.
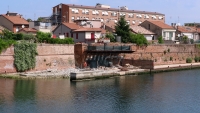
(139, 39)
(111, 37)
(122, 29)
(29, 20)
(39, 19)
(160, 40)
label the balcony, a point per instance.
(110, 49)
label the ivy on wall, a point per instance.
(25, 56)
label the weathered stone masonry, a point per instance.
(50, 56)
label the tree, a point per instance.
(39, 19)
(29, 20)
(122, 29)
(160, 40)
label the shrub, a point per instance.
(189, 60)
(185, 40)
(139, 39)
(160, 40)
(196, 59)
(171, 58)
(165, 51)
(168, 50)
(111, 37)
(4, 44)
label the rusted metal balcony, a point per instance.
(109, 49)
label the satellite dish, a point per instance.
(23, 26)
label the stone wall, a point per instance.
(160, 54)
(50, 56)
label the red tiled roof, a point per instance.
(141, 30)
(16, 19)
(185, 29)
(72, 25)
(88, 29)
(28, 30)
(161, 24)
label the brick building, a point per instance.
(13, 22)
(104, 13)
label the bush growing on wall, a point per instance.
(25, 54)
(189, 60)
(4, 44)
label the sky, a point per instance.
(176, 11)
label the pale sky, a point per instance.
(176, 11)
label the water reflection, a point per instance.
(163, 92)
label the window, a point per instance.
(85, 11)
(76, 35)
(72, 35)
(67, 34)
(73, 19)
(170, 35)
(113, 14)
(130, 15)
(164, 34)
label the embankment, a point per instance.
(50, 56)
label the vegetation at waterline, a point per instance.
(25, 56)
(189, 60)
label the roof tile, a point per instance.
(16, 19)
(161, 24)
(141, 30)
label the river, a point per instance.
(171, 92)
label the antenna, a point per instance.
(8, 7)
(34, 16)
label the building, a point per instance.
(190, 32)
(28, 31)
(78, 33)
(104, 13)
(192, 24)
(66, 29)
(88, 35)
(13, 22)
(161, 29)
(141, 30)
(41, 26)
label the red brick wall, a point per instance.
(155, 53)
(49, 57)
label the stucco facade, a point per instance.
(6, 23)
(167, 34)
